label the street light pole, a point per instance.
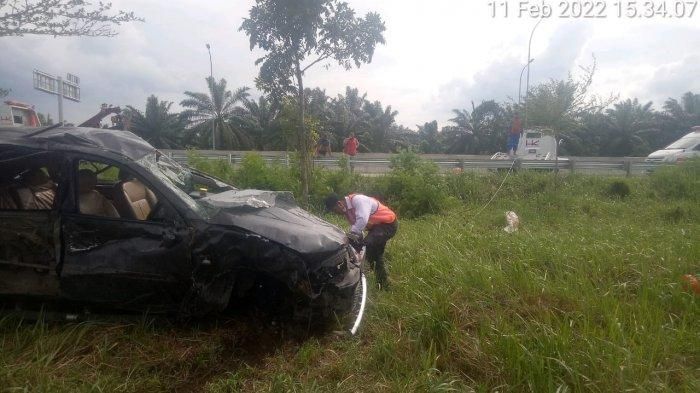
(59, 86)
(527, 84)
(213, 122)
(520, 84)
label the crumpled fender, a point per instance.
(220, 252)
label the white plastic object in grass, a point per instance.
(513, 222)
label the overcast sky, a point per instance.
(439, 55)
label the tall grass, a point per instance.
(586, 296)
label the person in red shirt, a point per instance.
(364, 212)
(514, 136)
(350, 145)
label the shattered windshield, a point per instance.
(176, 177)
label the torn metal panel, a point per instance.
(27, 238)
(222, 253)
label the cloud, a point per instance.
(438, 56)
(500, 79)
(672, 80)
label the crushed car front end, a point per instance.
(252, 234)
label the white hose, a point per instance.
(356, 326)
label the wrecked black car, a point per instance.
(102, 218)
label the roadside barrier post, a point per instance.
(628, 167)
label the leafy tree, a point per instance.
(218, 107)
(60, 18)
(4, 92)
(560, 104)
(587, 140)
(297, 35)
(156, 125)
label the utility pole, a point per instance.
(60, 99)
(520, 84)
(529, 61)
(213, 122)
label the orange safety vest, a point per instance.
(383, 215)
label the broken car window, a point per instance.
(27, 182)
(110, 191)
(174, 176)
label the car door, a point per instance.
(114, 256)
(29, 194)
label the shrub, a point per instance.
(325, 181)
(413, 187)
(618, 189)
(219, 168)
(254, 172)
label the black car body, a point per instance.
(101, 217)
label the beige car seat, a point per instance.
(89, 199)
(133, 198)
(38, 191)
(140, 198)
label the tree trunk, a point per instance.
(302, 140)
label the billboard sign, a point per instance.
(45, 82)
(70, 88)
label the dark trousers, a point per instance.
(375, 241)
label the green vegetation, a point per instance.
(586, 296)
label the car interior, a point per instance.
(28, 183)
(108, 191)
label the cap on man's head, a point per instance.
(331, 201)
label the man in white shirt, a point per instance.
(363, 212)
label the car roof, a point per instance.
(95, 140)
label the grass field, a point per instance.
(586, 296)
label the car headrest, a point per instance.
(87, 180)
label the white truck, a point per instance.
(533, 145)
(678, 151)
(13, 113)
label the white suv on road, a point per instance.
(680, 150)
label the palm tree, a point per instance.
(688, 110)
(262, 124)
(156, 125)
(217, 108)
(628, 121)
(678, 118)
(348, 114)
(380, 123)
(480, 131)
(429, 138)
(459, 137)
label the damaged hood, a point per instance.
(276, 216)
